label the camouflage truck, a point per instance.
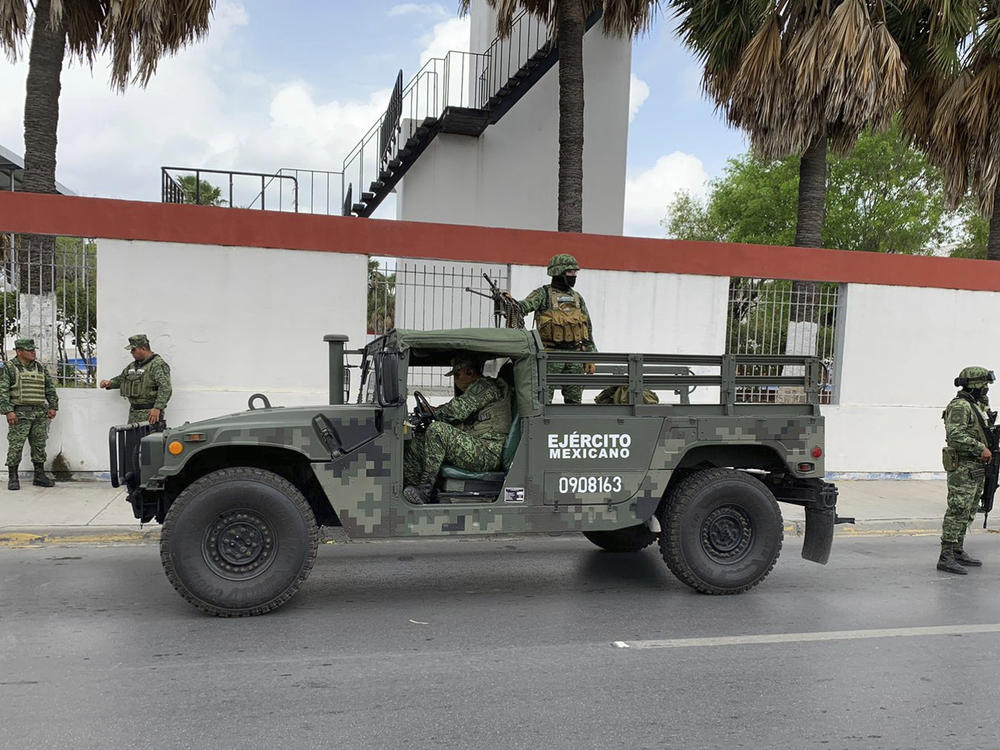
(242, 497)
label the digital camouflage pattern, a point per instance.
(32, 425)
(572, 394)
(630, 453)
(964, 434)
(32, 420)
(159, 379)
(561, 263)
(450, 439)
(538, 301)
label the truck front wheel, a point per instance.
(239, 542)
(722, 531)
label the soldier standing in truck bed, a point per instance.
(28, 397)
(145, 382)
(562, 321)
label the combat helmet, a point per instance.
(561, 263)
(974, 377)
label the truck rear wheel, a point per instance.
(631, 539)
(722, 531)
(239, 542)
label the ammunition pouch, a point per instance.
(949, 458)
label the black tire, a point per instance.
(722, 531)
(239, 542)
(631, 539)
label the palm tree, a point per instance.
(568, 20)
(136, 34)
(799, 76)
(952, 113)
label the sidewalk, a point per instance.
(95, 512)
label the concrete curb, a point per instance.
(20, 537)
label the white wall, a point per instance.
(508, 176)
(231, 321)
(903, 347)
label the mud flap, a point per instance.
(819, 534)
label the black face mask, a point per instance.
(563, 283)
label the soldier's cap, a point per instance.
(561, 263)
(463, 361)
(140, 339)
(976, 377)
(27, 344)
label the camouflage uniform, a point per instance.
(152, 379)
(31, 404)
(539, 302)
(453, 438)
(964, 418)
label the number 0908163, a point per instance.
(589, 485)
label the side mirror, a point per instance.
(387, 368)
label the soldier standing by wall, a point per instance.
(145, 382)
(965, 426)
(562, 321)
(28, 398)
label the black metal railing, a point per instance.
(276, 192)
(389, 130)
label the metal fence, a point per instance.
(430, 295)
(49, 288)
(777, 316)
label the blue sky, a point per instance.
(296, 83)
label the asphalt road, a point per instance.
(530, 643)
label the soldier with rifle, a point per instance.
(970, 452)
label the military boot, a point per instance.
(947, 561)
(41, 478)
(13, 483)
(962, 558)
(422, 494)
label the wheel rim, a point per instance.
(239, 545)
(727, 534)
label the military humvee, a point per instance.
(241, 497)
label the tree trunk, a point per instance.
(572, 25)
(41, 105)
(993, 238)
(36, 253)
(803, 327)
(809, 223)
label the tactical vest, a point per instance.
(29, 386)
(564, 322)
(137, 382)
(495, 418)
(977, 425)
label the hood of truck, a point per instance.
(292, 428)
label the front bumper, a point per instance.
(128, 454)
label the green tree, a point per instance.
(952, 112)
(883, 196)
(201, 192)
(568, 19)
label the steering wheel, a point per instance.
(423, 407)
(423, 413)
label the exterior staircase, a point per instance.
(462, 94)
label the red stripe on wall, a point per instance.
(158, 222)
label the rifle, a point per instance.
(503, 305)
(992, 468)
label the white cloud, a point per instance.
(426, 9)
(638, 92)
(648, 193)
(452, 34)
(206, 107)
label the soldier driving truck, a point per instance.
(242, 497)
